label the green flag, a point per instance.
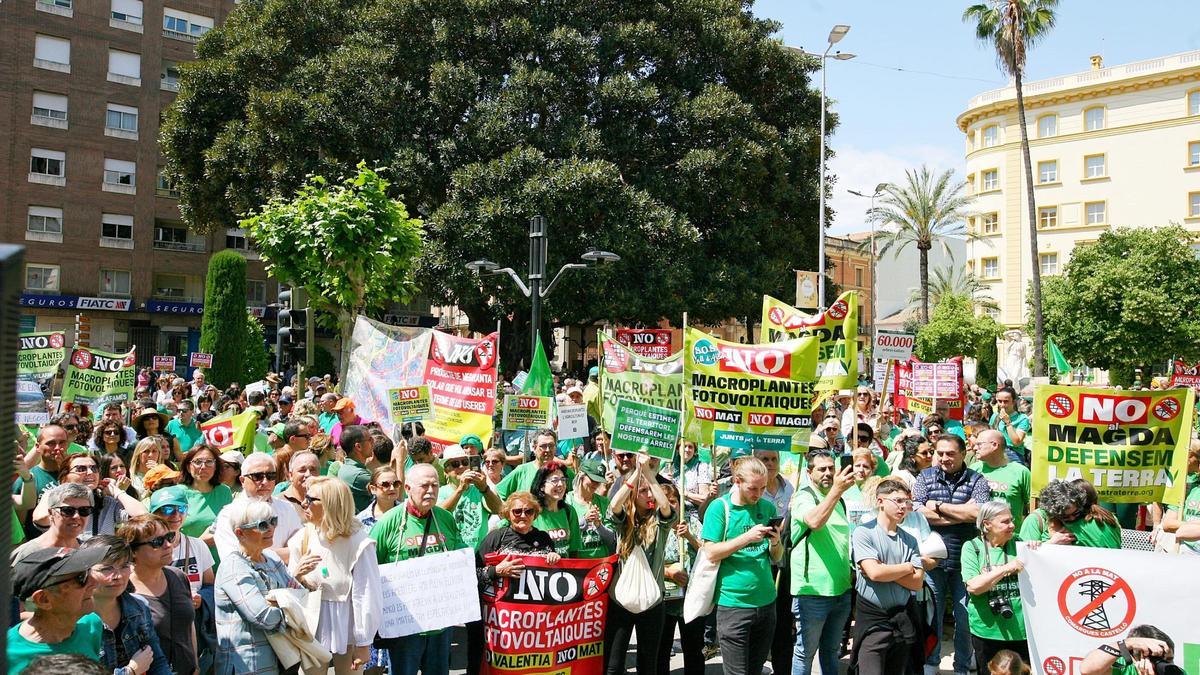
(540, 381)
(1057, 361)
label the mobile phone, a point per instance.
(775, 522)
(475, 462)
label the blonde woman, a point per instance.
(147, 454)
(347, 582)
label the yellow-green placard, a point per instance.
(626, 375)
(1130, 444)
(836, 365)
(410, 404)
(526, 413)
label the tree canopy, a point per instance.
(681, 135)
(955, 330)
(223, 326)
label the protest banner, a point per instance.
(836, 329)
(461, 375)
(1183, 375)
(753, 396)
(651, 343)
(1073, 603)
(164, 364)
(646, 429)
(572, 422)
(230, 432)
(549, 620)
(900, 389)
(383, 357)
(890, 344)
(415, 598)
(38, 358)
(936, 380)
(1131, 445)
(410, 404)
(624, 374)
(200, 360)
(526, 413)
(94, 377)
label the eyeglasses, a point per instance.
(387, 484)
(260, 476)
(111, 432)
(456, 463)
(80, 579)
(523, 512)
(157, 542)
(201, 463)
(309, 500)
(555, 480)
(492, 462)
(301, 436)
(85, 468)
(261, 525)
(73, 511)
(172, 509)
(899, 502)
(864, 439)
(70, 427)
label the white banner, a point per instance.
(415, 598)
(893, 345)
(383, 357)
(572, 422)
(1076, 599)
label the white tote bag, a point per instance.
(636, 589)
(702, 583)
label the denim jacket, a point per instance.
(135, 631)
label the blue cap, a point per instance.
(594, 371)
(169, 496)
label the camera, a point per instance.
(1000, 606)
(1165, 667)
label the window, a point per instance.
(236, 239)
(129, 11)
(991, 180)
(120, 173)
(1047, 126)
(858, 277)
(1096, 213)
(124, 67)
(992, 312)
(164, 186)
(65, 4)
(991, 268)
(1047, 217)
(184, 26)
(256, 293)
(170, 286)
(115, 226)
(1094, 167)
(41, 277)
(989, 223)
(991, 136)
(1194, 153)
(49, 106)
(44, 220)
(52, 53)
(114, 282)
(1194, 205)
(1048, 171)
(47, 162)
(170, 234)
(121, 118)
(1093, 119)
(1193, 102)
(1049, 263)
(169, 76)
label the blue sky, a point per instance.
(892, 121)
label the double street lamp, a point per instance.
(538, 246)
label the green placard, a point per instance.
(750, 441)
(410, 404)
(645, 428)
(526, 413)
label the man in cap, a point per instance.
(467, 495)
(472, 444)
(295, 435)
(60, 585)
(275, 437)
(344, 408)
(285, 409)
(545, 441)
(311, 387)
(596, 531)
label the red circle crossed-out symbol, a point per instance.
(839, 310)
(1054, 666)
(1097, 602)
(1166, 409)
(1060, 405)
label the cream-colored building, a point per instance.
(1117, 146)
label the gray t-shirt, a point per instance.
(871, 541)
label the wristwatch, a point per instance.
(938, 508)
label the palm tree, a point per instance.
(1013, 27)
(925, 212)
(951, 281)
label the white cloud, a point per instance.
(862, 170)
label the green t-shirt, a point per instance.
(984, 622)
(355, 475)
(85, 641)
(1087, 533)
(563, 527)
(1018, 420)
(744, 579)
(591, 543)
(398, 534)
(203, 508)
(1011, 483)
(187, 436)
(521, 479)
(470, 514)
(820, 563)
(326, 420)
(1191, 512)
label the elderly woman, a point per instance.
(1067, 514)
(244, 614)
(163, 587)
(112, 505)
(556, 518)
(70, 506)
(989, 570)
(348, 582)
(130, 646)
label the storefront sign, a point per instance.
(167, 307)
(105, 304)
(76, 302)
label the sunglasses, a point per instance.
(492, 462)
(301, 436)
(85, 468)
(261, 525)
(523, 512)
(80, 579)
(70, 427)
(260, 476)
(387, 484)
(112, 432)
(73, 511)
(157, 542)
(456, 464)
(309, 500)
(864, 439)
(171, 509)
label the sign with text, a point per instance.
(1185, 375)
(164, 363)
(654, 343)
(200, 360)
(836, 330)
(572, 422)
(461, 375)
(409, 404)
(936, 380)
(38, 358)
(646, 429)
(893, 345)
(94, 377)
(415, 598)
(526, 413)
(625, 374)
(807, 290)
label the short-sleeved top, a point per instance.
(203, 508)
(399, 535)
(193, 558)
(470, 513)
(521, 479)
(592, 544)
(187, 435)
(1018, 420)
(85, 640)
(1191, 512)
(984, 622)
(563, 527)
(1011, 483)
(744, 579)
(821, 562)
(959, 488)
(358, 478)
(1088, 533)
(871, 541)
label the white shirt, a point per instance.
(289, 523)
(192, 557)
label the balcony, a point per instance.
(116, 242)
(174, 295)
(119, 188)
(121, 133)
(45, 121)
(52, 7)
(126, 24)
(182, 37)
(169, 84)
(47, 179)
(125, 79)
(182, 246)
(45, 64)
(169, 193)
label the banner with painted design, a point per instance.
(231, 432)
(1183, 375)
(383, 357)
(836, 328)
(654, 343)
(548, 620)
(1073, 603)
(461, 375)
(750, 396)
(626, 375)
(94, 377)
(904, 389)
(1130, 444)
(38, 358)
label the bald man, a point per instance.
(1009, 480)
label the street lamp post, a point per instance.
(878, 191)
(538, 247)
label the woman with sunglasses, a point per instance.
(150, 423)
(385, 489)
(130, 646)
(205, 493)
(147, 454)
(348, 581)
(556, 518)
(244, 613)
(109, 438)
(70, 506)
(112, 505)
(192, 557)
(164, 588)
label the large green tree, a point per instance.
(955, 329)
(1012, 28)
(223, 327)
(1127, 300)
(687, 120)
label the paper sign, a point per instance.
(572, 422)
(935, 380)
(164, 363)
(200, 360)
(415, 598)
(409, 404)
(654, 343)
(519, 380)
(645, 428)
(893, 345)
(879, 375)
(526, 413)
